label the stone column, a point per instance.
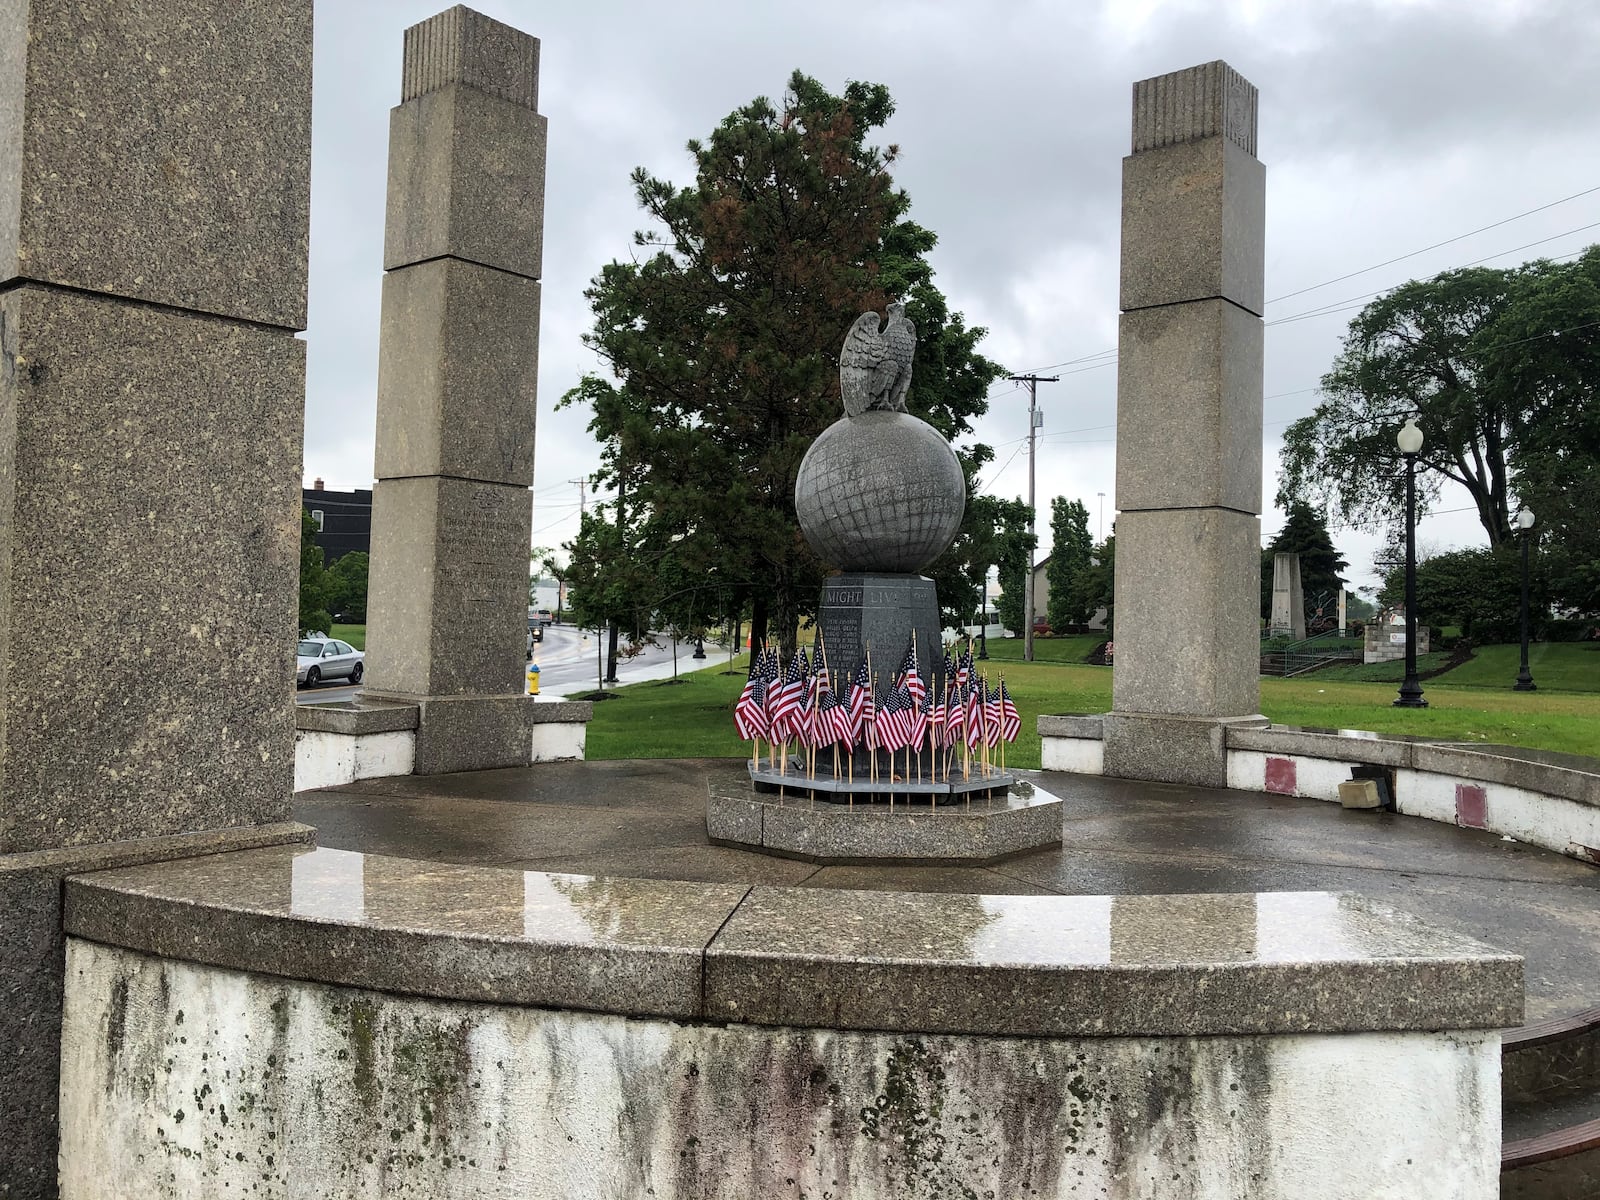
(1288, 598)
(457, 374)
(1188, 429)
(154, 200)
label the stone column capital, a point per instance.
(1210, 100)
(461, 45)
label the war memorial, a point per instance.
(473, 973)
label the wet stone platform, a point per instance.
(985, 820)
(646, 820)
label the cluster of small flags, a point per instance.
(799, 705)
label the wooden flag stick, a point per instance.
(872, 749)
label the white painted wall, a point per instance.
(559, 741)
(1082, 756)
(187, 1081)
(1315, 778)
(329, 759)
(1527, 816)
(1565, 826)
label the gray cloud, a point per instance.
(1385, 126)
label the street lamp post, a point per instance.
(983, 620)
(1409, 440)
(1524, 522)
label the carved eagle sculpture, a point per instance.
(875, 364)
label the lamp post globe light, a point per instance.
(1409, 439)
(1524, 521)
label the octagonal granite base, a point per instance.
(965, 832)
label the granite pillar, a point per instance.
(1288, 598)
(457, 375)
(1188, 429)
(154, 201)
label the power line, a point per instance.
(1034, 421)
(1343, 305)
(552, 525)
(1329, 309)
(1389, 262)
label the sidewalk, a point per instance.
(629, 673)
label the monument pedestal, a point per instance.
(864, 612)
(468, 733)
(879, 612)
(1168, 748)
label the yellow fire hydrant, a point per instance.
(533, 679)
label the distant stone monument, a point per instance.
(457, 373)
(1188, 429)
(1288, 598)
(154, 203)
(880, 495)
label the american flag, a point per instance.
(955, 717)
(803, 718)
(820, 674)
(964, 670)
(832, 721)
(918, 719)
(890, 726)
(750, 716)
(992, 716)
(976, 733)
(861, 706)
(936, 718)
(911, 677)
(1010, 718)
(788, 695)
(818, 725)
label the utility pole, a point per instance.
(581, 509)
(1035, 419)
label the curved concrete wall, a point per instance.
(1542, 798)
(315, 1022)
(221, 1082)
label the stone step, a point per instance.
(1550, 1147)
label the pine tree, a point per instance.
(723, 336)
(1071, 552)
(1305, 533)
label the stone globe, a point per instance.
(880, 492)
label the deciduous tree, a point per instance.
(348, 582)
(1012, 551)
(1071, 554)
(316, 587)
(722, 334)
(1501, 369)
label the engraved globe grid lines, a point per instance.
(879, 490)
(855, 521)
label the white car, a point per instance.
(322, 658)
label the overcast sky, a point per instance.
(1385, 127)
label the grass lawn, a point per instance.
(1072, 649)
(1567, 722)
(693, 717)
(1383, 672)
(1556, 667)
(356, 635)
